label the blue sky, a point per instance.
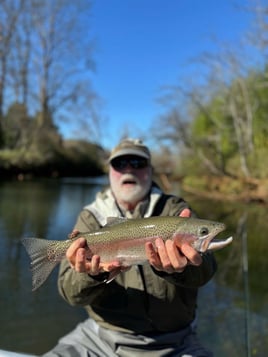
(142, 45)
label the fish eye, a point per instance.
(203, 231)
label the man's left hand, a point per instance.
(167, 257)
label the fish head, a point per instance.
(200, 234)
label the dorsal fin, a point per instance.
(111, 221)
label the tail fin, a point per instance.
(41, 266)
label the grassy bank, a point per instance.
(227, 188)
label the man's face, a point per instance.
(130, 179)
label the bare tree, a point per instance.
(63, 49)
(46, 62)
(20, 57)
(9, 14)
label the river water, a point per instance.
(232, 308)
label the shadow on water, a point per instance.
(233, 311)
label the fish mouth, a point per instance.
(211, 243)
(216, 244)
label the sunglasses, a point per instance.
(120, 163)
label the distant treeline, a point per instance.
(31, 147)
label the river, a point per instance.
(232, 308)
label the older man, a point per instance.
(146, 310)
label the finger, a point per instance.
(94, 266)
(163, 255)
(191, 254)
(186, 212)
(80, 261)
(74, 233)
(178, 261)
(71, 253)
(152, 256)
(78, 243)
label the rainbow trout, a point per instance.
(123, 240)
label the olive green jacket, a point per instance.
(140, 300)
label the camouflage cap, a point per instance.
(130, 147)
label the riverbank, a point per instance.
(71, 158)
(227, 188)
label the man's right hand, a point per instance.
(78, 253)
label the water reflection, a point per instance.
(41, 209)
(233, 314)
(235, 319)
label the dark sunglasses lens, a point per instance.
(118, 164)
(138, 163)
(135, 163)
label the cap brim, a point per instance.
(128, 151)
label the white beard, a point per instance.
(130, 190)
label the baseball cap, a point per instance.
(130, 147)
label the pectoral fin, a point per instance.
(113, 274)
